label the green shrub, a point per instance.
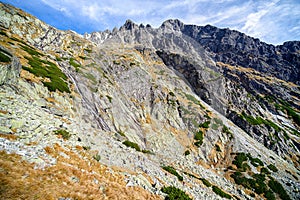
(97, 157)
(198, 143)
(258, 121)
(218, 148)
(227, 131)
(205, 182)
(215, 126)
(269, 195)
(147, 151)
(218, 121)
(256, 161)
(44, 68)
(86, 148)
(74, 63)
(64, 133)
(220, 192)
(187, 152)
(172, 94)
(175, 193)
(264, 171)
(199, 135)
(205, 125)
(6, 52)
(272, 167)
(3, 33)
(290, 111)
(259, 177)
(239, 159)
(122, 133)
(4, 58)
(277, 187)
(88, 50)
(173, 171)
(109, 98)
(132, 145)
(31, 50)
(273, 125)
(252, 194)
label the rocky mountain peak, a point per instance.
(129, 25)
(173, 24)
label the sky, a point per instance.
(272, 21)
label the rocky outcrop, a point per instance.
(9, 67)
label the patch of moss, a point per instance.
(173, 171)
(226, 130)
(205, 182)
(218, 148)
(218, 121)
(194, 100)
(31, 50)
(205, 125)
(175, 193)
(74, 63)
(6, 52)
(255, 161)
(3, 33)
(269, 195)
(147, 151)
(198, 143)
(122, 133)
(44, 68)
(220, 192)
(90, 77)
(285, 106)
(82, 57)
(109, 98)
(88, 50)
(97, 157)
(252, 120)
(187, 152)
(4, 58)
(278, 188)
(239, 159)
(264, 171)
(132, 145)
(199, 136)
(272, 167)
(64, 133)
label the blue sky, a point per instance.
(272, 21)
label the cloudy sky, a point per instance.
(272, 21)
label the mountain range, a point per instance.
(175, 112)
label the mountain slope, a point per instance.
(255, 98)
(150, 107)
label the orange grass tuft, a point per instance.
(74, 176)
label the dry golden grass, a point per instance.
(74, 176)
(8, 136)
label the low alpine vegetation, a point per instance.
(63, 133)
(173, 171)
(175, 193)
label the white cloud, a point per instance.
(91, 11)
(263, 18)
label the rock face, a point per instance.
(223, 67)
(202, 109)
(9, 68)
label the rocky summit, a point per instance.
(175, 112)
